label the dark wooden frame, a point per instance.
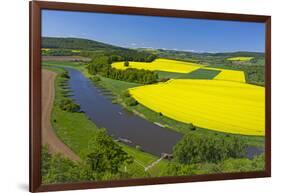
(35, 93)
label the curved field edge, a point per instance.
(216, 105)
(76, 134)
(118, 87)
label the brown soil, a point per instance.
(65, 58)
(49, 136)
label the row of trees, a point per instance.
(208, 149)
(66, 103)
(102, 65)
(105, 162)
(59, 52)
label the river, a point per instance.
(119, 123)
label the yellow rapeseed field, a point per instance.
(243, 59)
(75, 51)
(225, 106)
(161, 65)
(230, 75)
(45, 49)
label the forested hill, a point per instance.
(76, 43)
(58, 46)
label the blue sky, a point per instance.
(156, 32)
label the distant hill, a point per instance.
(77, 43)
(220, 54)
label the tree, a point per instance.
(126, 63)
(106, 156)
(197, 149)
(67, 104)
(58, 169)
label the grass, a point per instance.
(116, 86)
(229, 75)
(216, 105)
(196, 74)
(76, 134)
(144, 159)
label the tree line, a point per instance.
(101, 65)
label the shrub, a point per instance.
(130, 101)
(192, 127)
(95, 78)
(65, 75)
(69, 105)
(126, 63)
(126, 94)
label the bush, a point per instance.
(65, 75)
(126, 94)
(95, 78)
(206, 149)
(192, 127)
(131, 101)
(69, 105)
(126, 63)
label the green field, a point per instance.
(197, 74)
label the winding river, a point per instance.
(121, 124)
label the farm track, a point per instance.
(49, 136)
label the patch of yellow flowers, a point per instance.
(225, 106)
(160, 65)
(243, 59)
(230, 75)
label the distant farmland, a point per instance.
(243, 59)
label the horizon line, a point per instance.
(175, 49)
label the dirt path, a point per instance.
(48, 134)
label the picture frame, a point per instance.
(36, 7)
